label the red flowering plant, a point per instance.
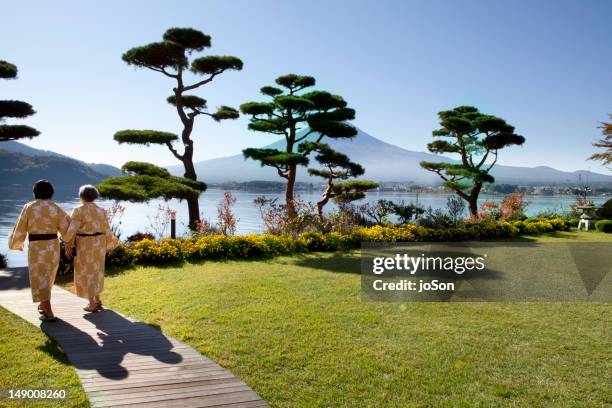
(512, 207)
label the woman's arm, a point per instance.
(112, 241)
(73, 227)
(20, 230)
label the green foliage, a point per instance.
(188, 101)
(274, 157)
(142, 182)
(295, 82)
(604, 226)
(215, 64)
(7, 70)
(120, 257)
(347, 191)
(143, 168)
(188, 38)
(336, 164)
(476, 138)
(171, 57)
(15, 109)
(257, 108)
(605, 144)
(289, 110)
(15, 132)
(159, 55)
(271, 91)
(606, 210)
(224, 113)
(144, 137)
(149, 252)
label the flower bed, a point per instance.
(151, 252)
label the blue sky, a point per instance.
(544, 66)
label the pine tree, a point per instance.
(291, 109)
(14, 109)
(336, 166)
(606, 144)
(170, 57)
(477, 139)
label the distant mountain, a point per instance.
(16, 147)
(383, 162)
(17, 169)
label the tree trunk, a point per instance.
(289, 191)
(326, 196)
(473, 199)
(193, 204)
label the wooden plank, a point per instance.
(125, 363)
(165, 395)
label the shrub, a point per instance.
(489, 211)
(436, 219)
(149, 251)
(3, 262)
(606, 210)
(226, 219)
(139, 236)
(604, 226)
(455, 207)
(278, 221)
(121, 256)
(513, 206)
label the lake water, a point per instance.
(137, 217)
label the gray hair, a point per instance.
(88, 193)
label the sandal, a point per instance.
(40, 310)
(91, 309)
(99, 306)
(44, 317)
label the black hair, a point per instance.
(43, 190)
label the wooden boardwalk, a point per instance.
(125, 363)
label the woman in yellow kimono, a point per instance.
(41, 220)
(94, 239)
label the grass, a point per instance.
(573, 236)
(295, 329)
(29, 359)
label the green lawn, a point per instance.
(28, 359)
(573, 236)
(296, 330)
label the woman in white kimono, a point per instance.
(90, 231)
(41, 220)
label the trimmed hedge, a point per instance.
(604, 226)
(151, 252)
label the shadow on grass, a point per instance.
(53, 349)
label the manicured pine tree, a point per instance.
(606, 144)
(348, 191)
(141, 182)
(477, 139)
(14, 109)
(336, 166)
(292, 108)
(170, 57)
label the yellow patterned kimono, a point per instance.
(40, 217)
(88, 219)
